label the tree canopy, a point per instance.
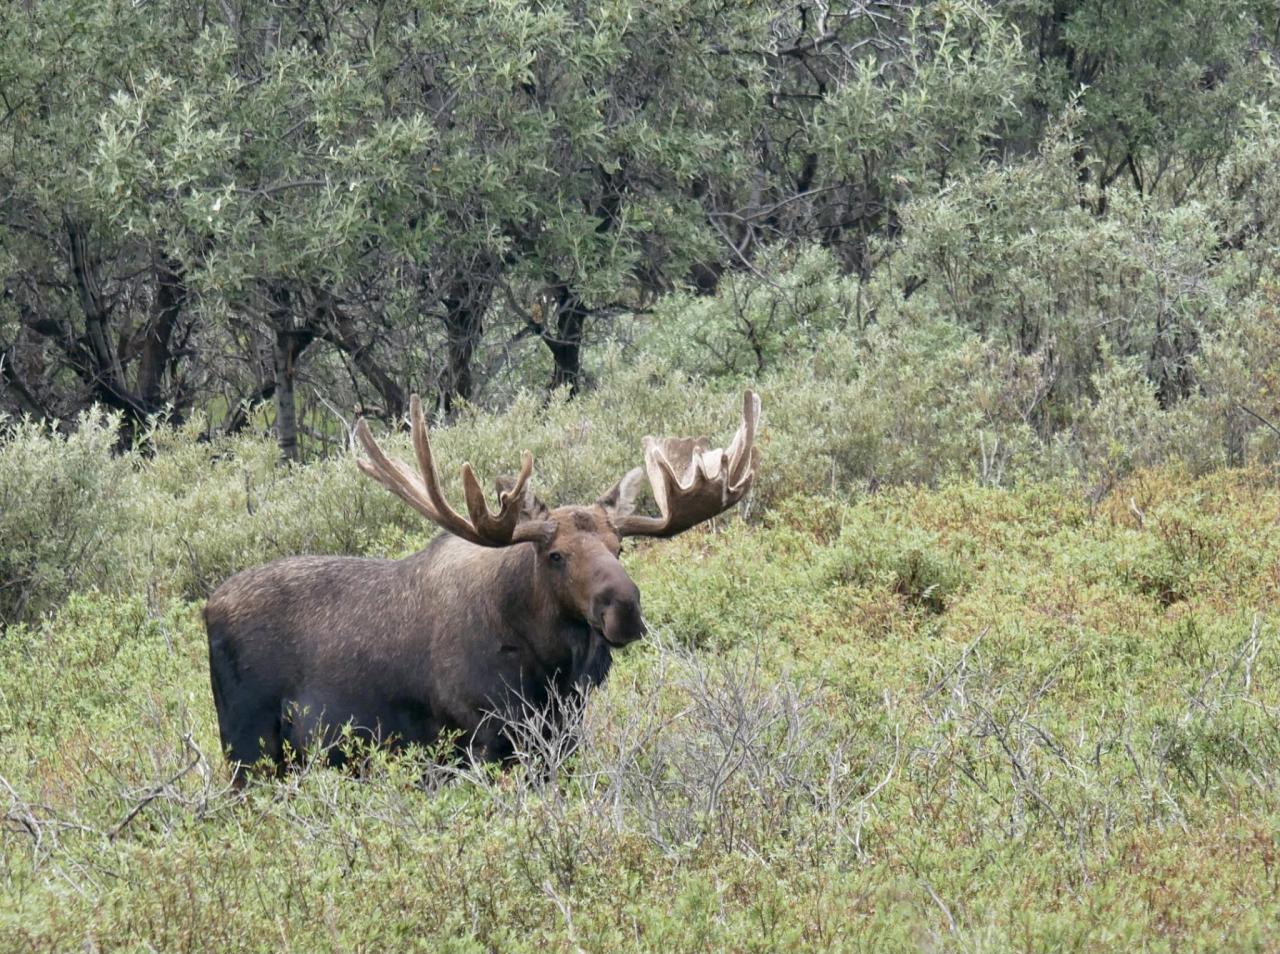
(219, 206)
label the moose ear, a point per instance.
(531, 508)
(620, 501)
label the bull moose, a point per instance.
(501, 611)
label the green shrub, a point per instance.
(62, 498)
(906, 560)
(905, 401)
(202, 511)
(758, 321)
(810, 751)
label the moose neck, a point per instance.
(518, 579)
(505, 586)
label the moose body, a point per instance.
(401, 649)
(500, 614)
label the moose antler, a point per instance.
(423, 494)
(692, 483)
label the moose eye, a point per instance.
(555, 556)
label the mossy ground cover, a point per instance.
(959, 718)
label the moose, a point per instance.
(502, 611)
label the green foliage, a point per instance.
(1013, 329)
(893, 404)
(1162, 85)
(209, 511)
(757, 321)
(908, 126)
(319, 204)
(1017, 255)
(1061, 749)
(60, 503)
(905, 402)
(904, 560)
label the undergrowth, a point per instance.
(959, 718)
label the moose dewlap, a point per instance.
(502, 611)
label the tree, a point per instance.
(1161, 84)
(88, 314)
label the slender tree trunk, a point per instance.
(464, 309)
(286, 400)
(565, 341)
(289, 344)
(1168, 362)
(99, 363)
(462, 329)
(107, 367)
(171, 298)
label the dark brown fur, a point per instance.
(406, 650)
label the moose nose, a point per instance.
(617, 614)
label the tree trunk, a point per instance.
(107, 367)
(1168, 363)
(566, 341)
(94, 359)
(464, 308)
(171, 297)
(290, 342)
(462, 329)
(286, 399)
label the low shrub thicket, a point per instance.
(898, 403)
(965, 718)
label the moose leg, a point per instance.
(253, 735)
(248, 726)
(488, 743)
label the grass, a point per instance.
(954, 719)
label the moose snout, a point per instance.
(616, 611)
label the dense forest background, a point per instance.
(270, 215)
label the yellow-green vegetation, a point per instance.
(961, 717)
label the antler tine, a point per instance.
(692, 483)
(422, 491)
(743, 455)
(390, 473)
(503, 523)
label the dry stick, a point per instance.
(1020, 772)
(941, 904)
(566, 912)
(1246, 652)
(866, 799)
(1259, 418)
(957, 665)
(20, 814)
(156, 792)
(347, 426)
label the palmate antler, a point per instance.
(422, 491)
(692, 483)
